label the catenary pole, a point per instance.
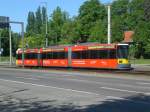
(109, 25)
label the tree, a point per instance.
(4, 33)
(70, 32)
(56, 22)
(38, 23)
(147, 10)
(120, 19)
(98, 33)
(89, 13)
(30, 29)
(15, 42)
(36, 41)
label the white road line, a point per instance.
(124, 90)
(86, 81)
(74, 73)
(94, 82)
(143, 83)
(110, 97)
(119, 98)
(85, 92)
(27, 78)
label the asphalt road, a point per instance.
(25, 90)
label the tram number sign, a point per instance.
(4, 22)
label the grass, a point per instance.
(140, 61)
(6, 58)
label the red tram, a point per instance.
(94, 55)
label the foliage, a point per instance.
(4, 41)
(33, 42)
(98, 33)
(31, 23)
(89, 13)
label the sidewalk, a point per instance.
(141, 67)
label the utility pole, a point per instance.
(22, 33)
(10, 47)
(109, 24)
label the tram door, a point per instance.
(69, 57)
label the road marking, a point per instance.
(80, 80)
(110, 97)
(143, 83)
(28, 78)
(85, 92)
(74, 73)
(124, 90)
(119, 98)
(94, 82)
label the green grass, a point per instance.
(140, 61)
(5, 59)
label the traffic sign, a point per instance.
(4, 22)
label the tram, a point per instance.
(89, 55)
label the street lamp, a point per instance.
(108, 4)
(109, 24)
(46, 39)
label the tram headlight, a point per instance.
(123, 61)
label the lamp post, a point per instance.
(46, 20)
(10, 46)
(108, 4)
(109, 24)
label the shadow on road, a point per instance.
(139, 103)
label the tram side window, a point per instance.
(49, 55)
(80, 55)
(103, 54)
(76, 55)
(44, 55)
(112, 54)
(90, 54)
(59, 55)
(94, 54)
(19, 56)
(31, 56)
(62, 55)
(85, 54)
(54, 55)
(98, 54)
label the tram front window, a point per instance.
(123, 51)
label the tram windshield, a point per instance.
(123, 51)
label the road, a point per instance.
(25, 90)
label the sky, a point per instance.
(18, 10)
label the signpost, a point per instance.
(4, 22)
